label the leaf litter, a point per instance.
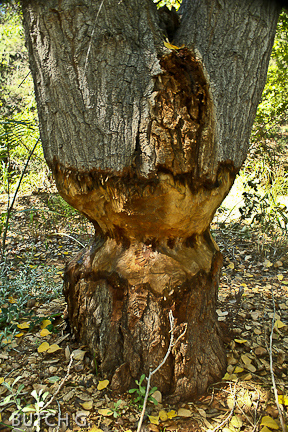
(242, 401)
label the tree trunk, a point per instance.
(146, 142)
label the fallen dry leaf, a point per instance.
(45, 323)
(102, 384)
(154, 420)
(53, 348)
(183, 412)
(269, 422)
(43, 347)
(105, 412)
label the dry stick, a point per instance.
(10, 207)
(171, 319)
(61, 383)
(255, 413)
(67, 235)
(271, 366)
(230, 415)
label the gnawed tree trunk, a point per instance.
(146, 142)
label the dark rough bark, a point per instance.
(235, 50)
(125, 322)
(146, 143)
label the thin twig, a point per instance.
(10, 206)
(67, 235)
(230, 414)
(59, 416)
(61, 383)
(271, 366)
(172, 328)
(255, 413)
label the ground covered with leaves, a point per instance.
(40, 376)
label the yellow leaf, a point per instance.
(154, 420)
(102, 384)
(279, 324)
(268, 264)
(269, 422)
(236, 421)
(105, 412)
(183, 412)
(265, 429)
(7, 340)
(280, 277)
(24, 325)
(19, 334)
(0, 310)
(87, 406)
(238, 369)
(171, 414)
(12, 300)
(240, 341)
(171, 47)
(1, 380)
(231, 266)
(44, 332)
(230, 377)
(285, 282)
(163, 415)
(283, 399)
(45, 323)
(226, 377)
(43, 347)
(53, 348)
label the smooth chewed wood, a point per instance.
(153, 252)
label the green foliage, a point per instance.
(263, 211)
(273, 106)
(18, 113)
(265, 168)
(58, 205)
(15, 290)
(272, 110)
(38, 408)
(141, 391)
(16, 82)
(116, 408)
(14, 396)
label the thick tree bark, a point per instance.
(146, 142)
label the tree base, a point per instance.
(119, 297)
